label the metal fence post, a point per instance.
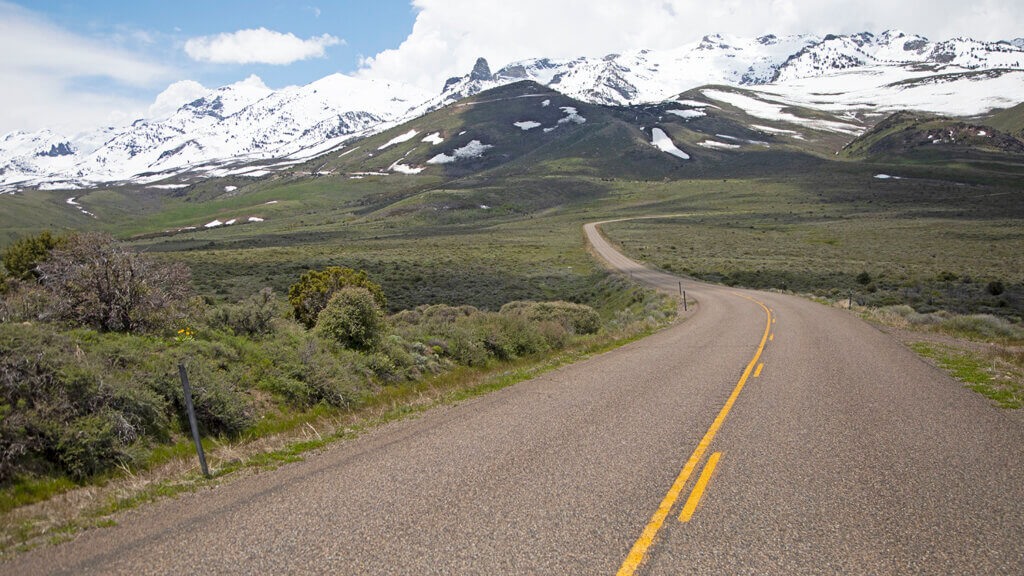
(192, 418)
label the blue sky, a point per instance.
(79, 64)
(159, 29)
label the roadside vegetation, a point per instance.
(984, 352)
(91, 333)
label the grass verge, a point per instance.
(997, 375)
(65, 513)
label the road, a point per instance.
(815, 443)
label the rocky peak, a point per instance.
(61, 149)
(481, 71)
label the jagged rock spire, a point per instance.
(481, 71)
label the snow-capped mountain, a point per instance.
(242, 122)
(650, 76)
(224, 130)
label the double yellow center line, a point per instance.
(639, 550)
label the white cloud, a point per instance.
(175, 96)
(258, 46)
(44, 67)
(449, 35)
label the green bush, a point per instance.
(88, 445)
(60, 408)
(252, 316)
(577, 318)
(22, 257)
(310, 295)
(220, 407)
(352, 318)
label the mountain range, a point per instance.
(248, 130)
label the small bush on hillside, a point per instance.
(22, 257)
(995, 288)
(576, 318)
(352, 318)
(310, 295)
(99, 283)
(251, 317)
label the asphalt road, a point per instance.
(836, 450)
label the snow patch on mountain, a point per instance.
(399, 139)
(433, 138)
(397, 166)
(717, 145)
(688, 114)
(526, 125)
(474, 149)
(662, 142)
(770, 110)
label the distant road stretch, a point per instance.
(765, 434)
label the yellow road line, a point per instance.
(639, 549)
(757, 373)
(772, 337)
(698, 490)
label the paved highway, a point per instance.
(765, 434)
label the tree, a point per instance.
(98, 282)
(22, 257)
(351, 318)
(309, 296)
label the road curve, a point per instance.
(835, 450)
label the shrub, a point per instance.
(220, 407)
(864, 278)
(99, 283)
(310, 295)
(22, 257)
(26, 303)
(508, 337)
(983, 326)
(252, 316)
(352, 318)
(576, 318)
(995, 288)
(59, 408)
(88, 445)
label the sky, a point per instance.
(76, 65)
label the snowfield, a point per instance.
(662, 142)
(774, 111)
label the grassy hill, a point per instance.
(504, 224)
